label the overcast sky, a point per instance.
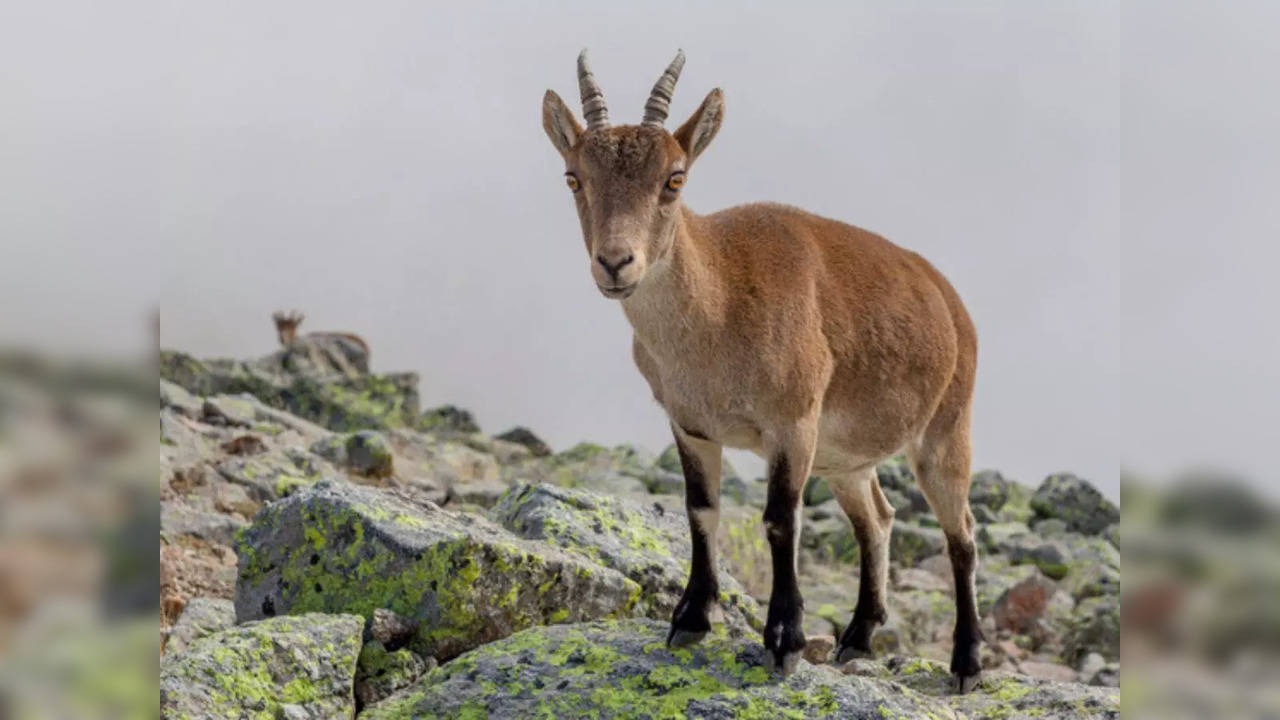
(1099, 183)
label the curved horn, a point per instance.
(655, 108)
(593, 107)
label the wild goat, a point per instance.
(345, 352)
(822, 347)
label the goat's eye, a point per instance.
(676, 181)
(572, 181)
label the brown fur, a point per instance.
(768, 328)
(287, 332)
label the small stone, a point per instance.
(886, 640)
(921, 579)
(483, 493)
(1048, 671)
(1020, 606)
(817, 648)
(862, 666)
(816, 491)
(369, 454)
(1011, 649)
(521, 435)
(202, 616)
(1091, 664)
(390, 628)
(937, 565)
(909, 544)
(244, 445)
(1076, 502)
(230, 410)
(380, 673)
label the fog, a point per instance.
(1099, 184)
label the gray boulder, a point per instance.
(623, 669)
(1094, 627)
(201, 616)
(648, 544)
(380, 672)
(447, 419)
(291, 667)
(1004, 695)
(521, 435)
(336, 401)
(366, 452)
(909, 544)
(1076, 502)
(338, 547)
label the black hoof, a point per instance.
(963, 684)
(678, 638)
(966, 667)
(784, 664)
(689, 623)
(784, 643)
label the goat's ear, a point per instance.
(558, 121)
(696, 132)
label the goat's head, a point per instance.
(626, 180)
(287, 325)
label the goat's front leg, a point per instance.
(700, 460)
(789, 465)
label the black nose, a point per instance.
(615, 267)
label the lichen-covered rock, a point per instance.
(1094, 627)
(622, 470)
(293, 667)
(522, 435)
(381, 672)
(366, 452)
(816, 491)
(649, 545)
(909, 544)
(276, 473)
(432, 466)
(623, 669)
(447, 419)
(1076, 502)
(348, 548)
(336, 401)
(230, 410)
(1052, 557)
(1004, 696)
(988, 488)
(177, 519)
(200, 617)
(176, 397)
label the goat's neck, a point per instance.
(682, 295)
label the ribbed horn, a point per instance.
(593, 107)
(655, 108)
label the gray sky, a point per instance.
(1099, 183)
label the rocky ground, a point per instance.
(330, 549)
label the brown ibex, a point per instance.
(347, 352)
(822, 347)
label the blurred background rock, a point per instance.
(78, 528)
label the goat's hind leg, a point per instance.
(860, 497)
(941, 463)
(700, 460)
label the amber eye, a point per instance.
(572, 181)
(676, 181)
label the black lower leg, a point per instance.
(965, 660)
(870, 612)
(691, 621)
(783, 633)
